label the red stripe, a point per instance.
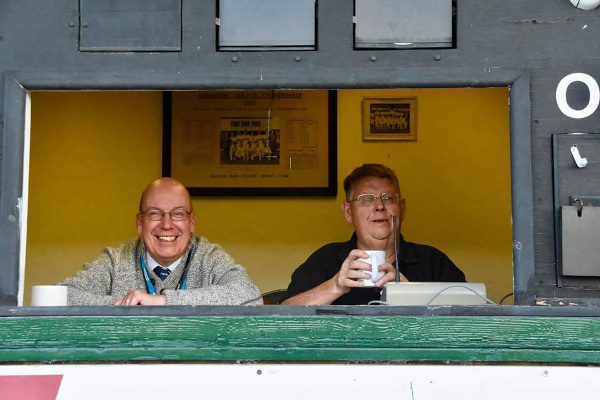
(29, 387)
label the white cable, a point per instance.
(488, 301)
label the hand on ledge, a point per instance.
(135, 298)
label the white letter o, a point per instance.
(561, 95)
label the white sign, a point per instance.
(298, 381)
(561, 95)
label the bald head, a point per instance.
(165, 185)
(166, 221)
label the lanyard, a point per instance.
(150, 287)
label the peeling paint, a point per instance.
(489, 69)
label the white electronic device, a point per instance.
(434, 293)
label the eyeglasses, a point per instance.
(154, 214)
(368, 199)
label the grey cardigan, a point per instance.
(214, 278)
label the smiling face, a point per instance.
(166, 240)
(373, 224)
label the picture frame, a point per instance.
(389, 119)
(251, 142)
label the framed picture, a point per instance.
(389, 119)
(252, 142)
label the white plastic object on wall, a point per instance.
(586, 4)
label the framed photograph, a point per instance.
(389, 119)
(252, 142)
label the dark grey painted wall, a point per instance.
(526, 44)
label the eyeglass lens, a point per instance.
(368, 199)
(158, 215)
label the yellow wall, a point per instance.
(93, 152)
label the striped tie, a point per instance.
(162, 272)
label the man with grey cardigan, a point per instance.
(167, 264)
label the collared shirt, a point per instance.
(152, 263)
(419, 263)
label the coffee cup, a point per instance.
(376, 258)
(48, 295)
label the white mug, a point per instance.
(376, 258)
(48, 295)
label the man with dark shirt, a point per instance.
(333, 273)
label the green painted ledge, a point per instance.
(403, 338)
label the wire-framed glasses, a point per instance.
(154, 214)
(368, 199)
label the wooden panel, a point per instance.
(130, 25)
(308, 338)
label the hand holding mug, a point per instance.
(376, 258)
